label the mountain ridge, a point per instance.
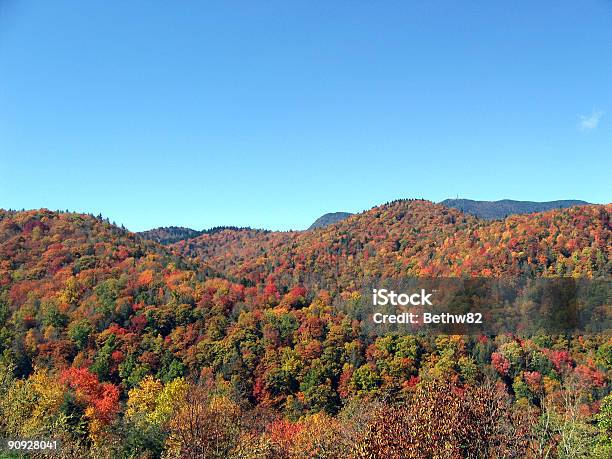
(329, 219)
(167, 235)
(411, 237)
(491, 210)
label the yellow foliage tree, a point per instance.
(31, 407)
(153, 402)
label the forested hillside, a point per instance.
(228, 344)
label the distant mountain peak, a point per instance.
(169, 234)
(329, 219)
(492, 210)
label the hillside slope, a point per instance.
(98, 325)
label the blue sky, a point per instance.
(271, 113)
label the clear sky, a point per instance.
(271, 113)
